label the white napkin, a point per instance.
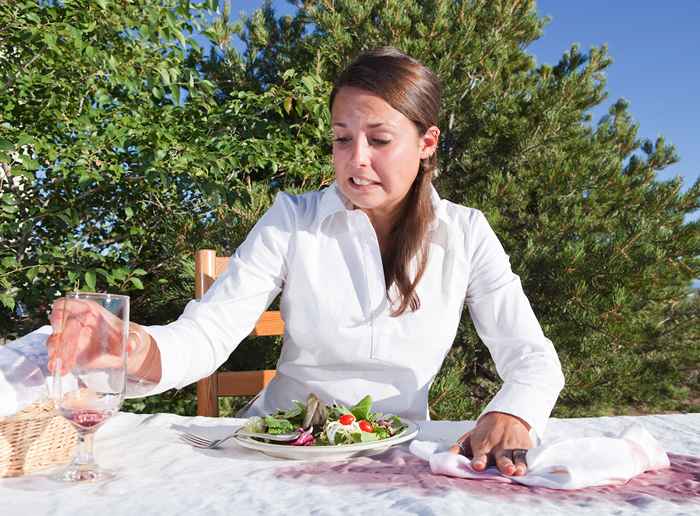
(33, 346)
(564, 464)
(23, 371)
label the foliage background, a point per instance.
(133, 132)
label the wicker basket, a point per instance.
(34, 439)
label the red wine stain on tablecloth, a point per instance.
(398, 468)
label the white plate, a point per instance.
(336, 452)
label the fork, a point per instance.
(202, 442)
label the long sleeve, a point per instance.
(525, 359)
(203, 337)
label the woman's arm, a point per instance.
(525, 359)
(203, 337)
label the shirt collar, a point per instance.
(438, 208)
(333, 201)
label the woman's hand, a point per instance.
(75, 323)
(498, 438)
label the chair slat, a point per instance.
(243, 383)
(270, 323)
(208, 267)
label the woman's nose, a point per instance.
(360, 152)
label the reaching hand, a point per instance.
(75, 323)
(498, 438)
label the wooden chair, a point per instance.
(208, 266)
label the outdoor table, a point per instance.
(159, 474)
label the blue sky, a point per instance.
(656, 67)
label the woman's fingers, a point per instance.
(519, 459)
(475, 448)
(69, 342)
(67, 322)
(512, 461)
(56, 316)
(480, 457)
(504, 462)
(462, 446)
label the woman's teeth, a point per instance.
(360, 182)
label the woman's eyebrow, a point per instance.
(371, 126)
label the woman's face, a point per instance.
(376, 151)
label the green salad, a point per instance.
(326, 425)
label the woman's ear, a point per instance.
(429, 142)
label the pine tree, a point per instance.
(604, 249)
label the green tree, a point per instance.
(110, 177)
(603, 248)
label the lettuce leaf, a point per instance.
(277, 426)
(255, 424)
(362, 409)
(364, 437)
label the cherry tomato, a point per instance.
(365, 426)
(346, 419)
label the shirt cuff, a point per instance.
(526, 402)
(171, 365)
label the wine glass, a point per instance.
(89, 376)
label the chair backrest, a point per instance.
(208, 267)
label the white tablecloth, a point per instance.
(158, 474)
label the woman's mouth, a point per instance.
(361, 181)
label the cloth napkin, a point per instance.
(563, 464)
(23, 371)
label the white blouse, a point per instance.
(340, 341)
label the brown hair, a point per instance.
(413, 90)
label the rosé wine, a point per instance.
(86, 420)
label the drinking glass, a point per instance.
(89, 377)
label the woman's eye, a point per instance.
(379, 141)
(341, 139)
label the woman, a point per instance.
(374, 272)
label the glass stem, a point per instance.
(84, 455)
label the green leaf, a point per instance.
(175, 93)
(7, 300)
(363, 407)
(9, 261)
(30, 164)
(365, 437)
(136, 282)
(32, 273)
(278, 426)
(181, 38)
(309, 83)
(129, 212)
(90, 280)
(164, 75)
(25, 139)
(6, 145)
